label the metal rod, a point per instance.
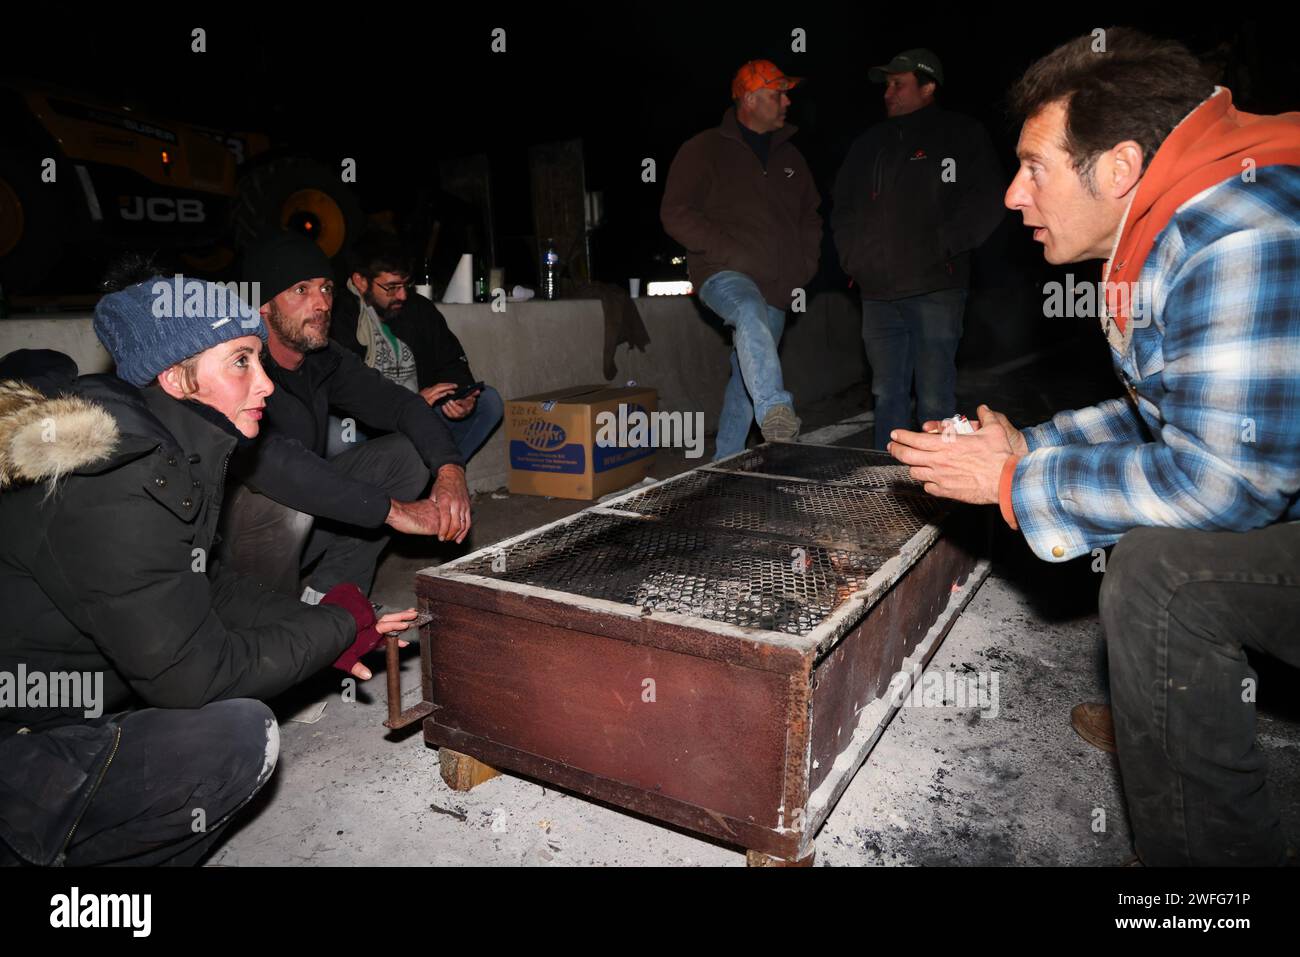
(394, 682)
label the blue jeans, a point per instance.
(472, 431)
(756, 384)
(469, 433)
(917, 335)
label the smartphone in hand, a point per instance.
(463, 392)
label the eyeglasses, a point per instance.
(392, 287)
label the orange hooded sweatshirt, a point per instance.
(1213, 143)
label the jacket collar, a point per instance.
(730, 128)
(316, 365)
(150, 419)
(102, 424)
(1211, 144)
(193, 427)
(919, 117)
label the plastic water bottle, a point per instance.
(550, 271)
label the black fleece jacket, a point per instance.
(915, 195)
(288, 463)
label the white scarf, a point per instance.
(396, 364)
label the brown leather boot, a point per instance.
(1094, 725)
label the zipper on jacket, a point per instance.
(63, 851)
(225, 464)
(219, 497)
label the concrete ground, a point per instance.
(944, 785)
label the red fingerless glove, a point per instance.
(350, 598)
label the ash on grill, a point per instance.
(776, 539)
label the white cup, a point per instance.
(634, 288)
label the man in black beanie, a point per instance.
(295, 509)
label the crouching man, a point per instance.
(296, 509)
(1132, 156)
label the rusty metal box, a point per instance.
(712, 651)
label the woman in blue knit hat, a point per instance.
(131, 672)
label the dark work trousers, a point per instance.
(174, 782)
(1179, 608)
(271, 543)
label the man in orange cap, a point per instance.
(741, 200)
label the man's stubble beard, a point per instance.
(295, 338)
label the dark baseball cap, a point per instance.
(916, 61)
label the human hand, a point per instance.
(391, 624)
(413, 518)
(966, 468)
(459, 408)
(451, 496)
(433, 393)
(1015, 438)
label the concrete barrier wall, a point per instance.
(537, 346)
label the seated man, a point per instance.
(1131, 155)
(407, 339)
(293, 508)
(752, 243)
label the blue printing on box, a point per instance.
(604, 458)
(569, 459)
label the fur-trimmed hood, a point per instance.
(43, 438)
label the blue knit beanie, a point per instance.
(153, 325)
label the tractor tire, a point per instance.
(299, 194)
(31, 222)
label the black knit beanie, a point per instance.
(282, 259)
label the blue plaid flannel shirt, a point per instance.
(1209, 437)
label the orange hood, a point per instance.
(1210, 145)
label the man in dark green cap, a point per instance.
(917, 193)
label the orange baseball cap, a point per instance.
(758, 75)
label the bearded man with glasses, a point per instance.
(406, 338)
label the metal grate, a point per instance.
(822, 463)
(837, 516)
(713, 573)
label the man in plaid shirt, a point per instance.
(1128, 154)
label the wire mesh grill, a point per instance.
(707, 572)
(837, 516)
(821, 463)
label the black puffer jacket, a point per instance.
(902, 227)
(107, 573)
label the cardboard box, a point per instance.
(553, 448)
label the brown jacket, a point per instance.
(731, 213)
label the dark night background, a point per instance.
(400, 88)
